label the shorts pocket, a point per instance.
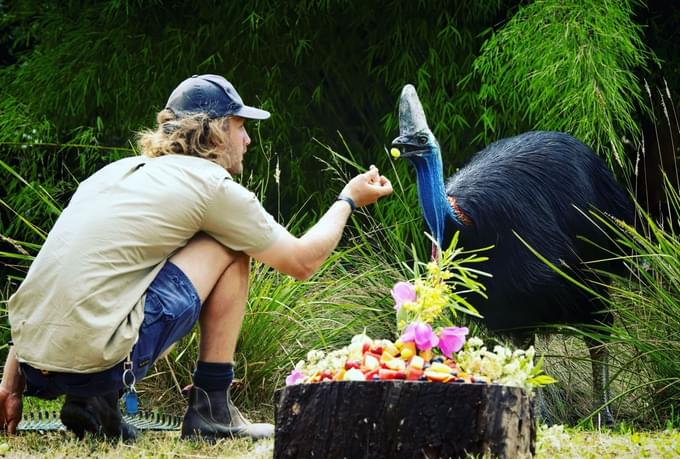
(153, 309)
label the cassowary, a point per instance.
(539, 186)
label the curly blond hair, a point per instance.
(196, 135)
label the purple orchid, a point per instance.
(422, 334)
(451, 339)
(403, 292)
(295, 377)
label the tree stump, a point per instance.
(402, 419)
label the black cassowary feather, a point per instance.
(540, 185)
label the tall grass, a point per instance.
(647, 304)
(645, 300)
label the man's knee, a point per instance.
(241, 261)
(205, 261)
(236, 276)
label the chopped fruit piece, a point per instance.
(392, 349)
(371, 374)
(396, 364)
(440, 368)
(377, 350)
(371, 362)
(354, 375)
(437, 376)
(386, 374)
(386, 357)
(352, 364)
(417, 362)
(413, 374)
(426, 355)
(408, 350)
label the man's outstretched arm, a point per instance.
(302, 257)
(11, 389)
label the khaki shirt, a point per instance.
(82, 302)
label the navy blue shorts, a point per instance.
(171, 309)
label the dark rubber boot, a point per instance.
(99, 415)
(212, 415)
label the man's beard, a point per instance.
(230, 159)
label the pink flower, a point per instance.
(451, 339)
(295, 377)
(403, 292)
(422, 334)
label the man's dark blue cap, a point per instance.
(212, 95)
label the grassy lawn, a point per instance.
(556, 441)
(150, 444)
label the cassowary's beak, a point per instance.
(411, 121)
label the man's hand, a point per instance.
(10, 410)
(11, 388)
(368, 187)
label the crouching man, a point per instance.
(147, 246)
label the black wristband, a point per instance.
(348, 200)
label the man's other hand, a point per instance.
(10, 410)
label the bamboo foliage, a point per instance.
(566, 66)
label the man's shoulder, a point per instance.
(179, 161)
(126, 162)
(191, 162)
(116, 168)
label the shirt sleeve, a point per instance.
(236, 218)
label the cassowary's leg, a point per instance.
(524, 340)
(599, 355)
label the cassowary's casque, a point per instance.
(541, 186)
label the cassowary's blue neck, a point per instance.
(436, 208)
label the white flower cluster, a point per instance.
(502, 366)
(320, 361)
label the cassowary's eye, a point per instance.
(422, 139)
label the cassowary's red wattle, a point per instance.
(539, 186)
